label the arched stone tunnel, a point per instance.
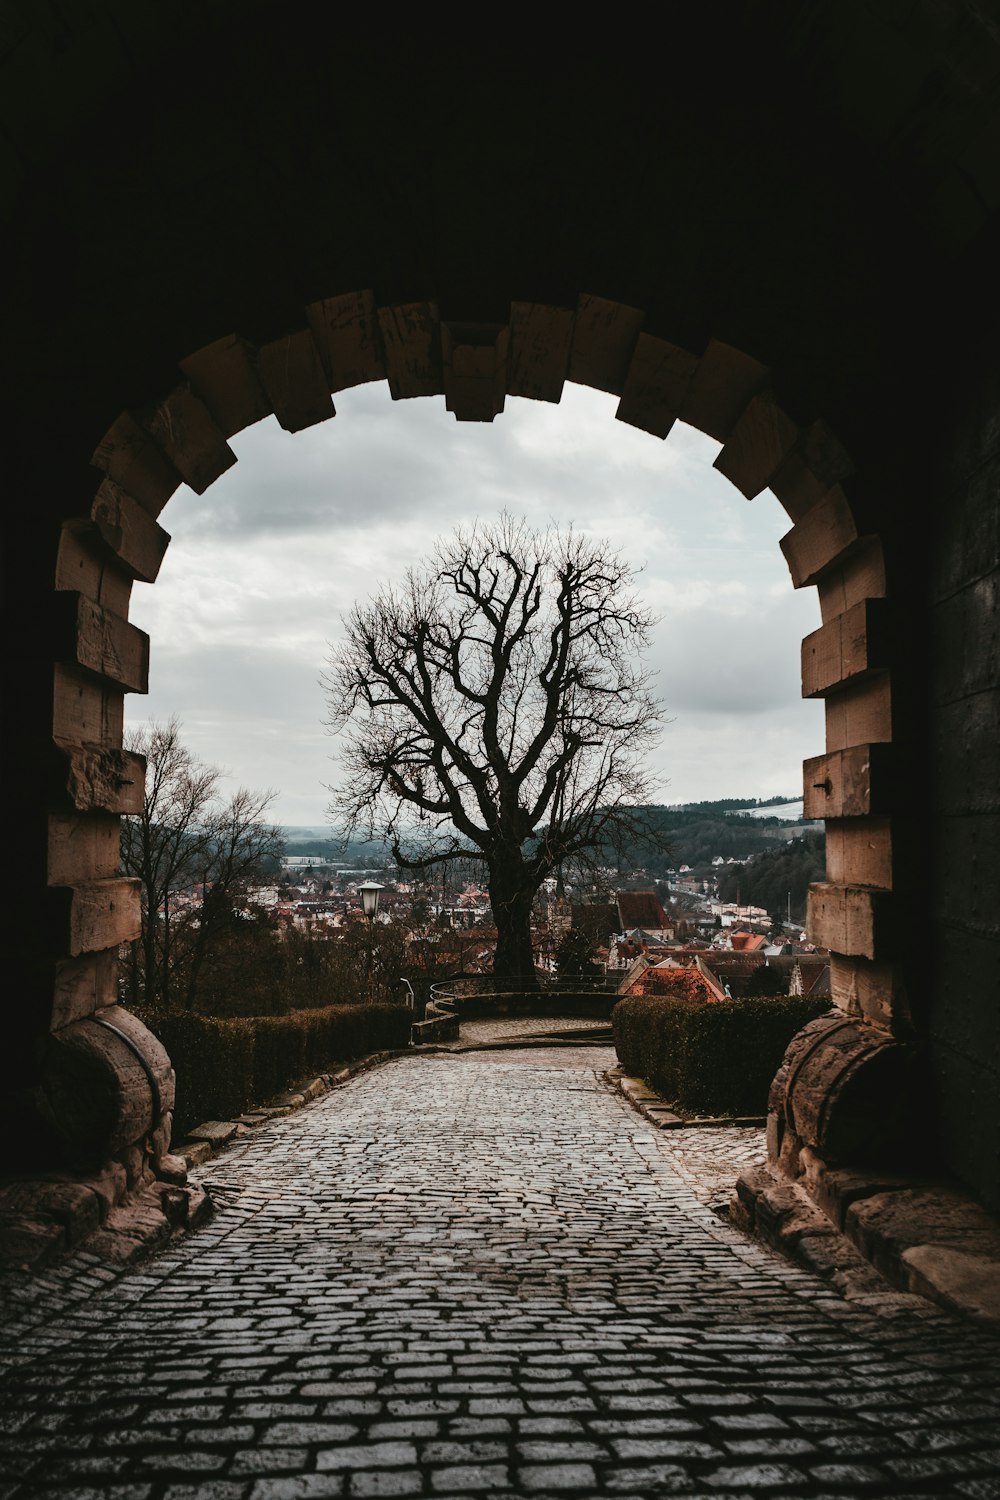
(781, 228)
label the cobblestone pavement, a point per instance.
(709, 1160)
(509, 1028)
(481, 1274)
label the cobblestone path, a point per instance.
(509, 1028)
(481, 1274)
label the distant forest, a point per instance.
(777, 877)
(355, 855)
(696, 833)
(691, 833)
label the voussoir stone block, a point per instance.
(540, 339)
(103, 778)
(474, 366)
(183, 427)
(137, 541)
(821, 539)
(604, 338)
(348, 337)
(411, 338)
(129, 456)
(721, 388)
(224, 375)
(846, 649)
(757, 445)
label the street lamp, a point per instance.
(369, 893)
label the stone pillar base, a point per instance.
(850, 1092)
(105, 1091)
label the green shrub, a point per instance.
(650, 1035)
(714, 1058)
(280, 1053)
(226, 1065)
(214, 1061)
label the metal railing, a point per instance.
(536, 986)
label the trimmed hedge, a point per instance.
(226, 1065)
(714, 1059)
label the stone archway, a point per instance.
(100, 1054)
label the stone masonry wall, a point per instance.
(964, 1008)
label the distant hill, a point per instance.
(319, 842)
(695, 833)
(791, 812)
(777, 879)
(683, 833)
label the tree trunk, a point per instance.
(150, 955)
(511, 901)
(165, 973)
(135, 969)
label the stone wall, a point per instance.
(963, 852)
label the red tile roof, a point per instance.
(640, 909)
(746, 942)
(686, 984)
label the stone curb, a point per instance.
(921, 1237)
(43, 1219)
(212, 1136)
(442, 1027)
(872, 1234)
(518, 1044)
(661, 1114)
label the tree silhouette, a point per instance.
(575, 956)
(496, 707)
(187, 835)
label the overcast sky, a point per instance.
(263, 566)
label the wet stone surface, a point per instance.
(510, 1028)
(477, 1274)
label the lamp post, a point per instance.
(369, 892)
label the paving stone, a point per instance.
(474, 1477)
(367, 1455)
(206, 1489)
(301, 1433)
(269, 1460)
(185, 1460)
(769, 1447)
(471, 1274)
(575, 1477)
(305, 1487)
(648, 1479)
(664, 1448)
(215, 1132)
(756, 1476)
(136, 1491)
(374, 1482)
(851, 1475)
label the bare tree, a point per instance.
(496, 706)
(187, 835)
(240, 846)
(164, 847)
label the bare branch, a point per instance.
(496, 704)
